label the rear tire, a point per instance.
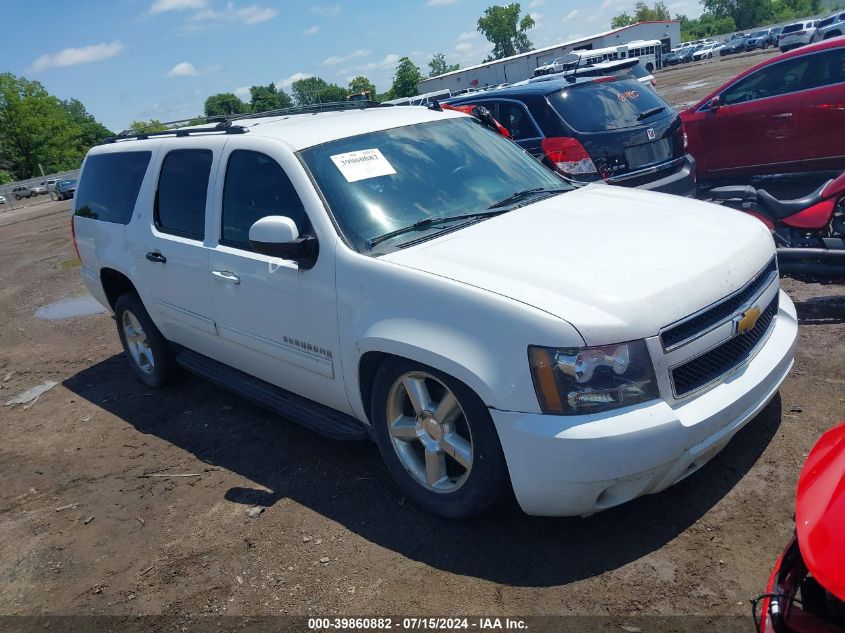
(437, 439)
(149, 354)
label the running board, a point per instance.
(316, 417)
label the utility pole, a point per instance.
(46, 186)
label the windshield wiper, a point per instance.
(426, 223)
(525, 193)
(647, 113)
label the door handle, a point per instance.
(225, 275)
(784, 115)
(155, 256)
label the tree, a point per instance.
(223, 104)
(153, 125)
(36, 128)
(263, 98)
(642, 13)
(706, 25)
(504, 29)
(93, 132)
(316, 90)
(405, 80)
(438, 66)
(361, 84)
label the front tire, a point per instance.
(150, 356)
(437, 439)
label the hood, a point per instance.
(820, 511)
(616, 263)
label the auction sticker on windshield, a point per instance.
(363, 164)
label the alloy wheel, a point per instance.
(137, 343)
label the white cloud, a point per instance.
(250, 14)
(311, 30)
(243, 93)
(439, 3)
(571, 15)
(536, 3)
(74, 56)
(340, 59)
(160, 6)
(285, 84)
(327, 9)
(389, 61)
(468, 35)
(536, 17)
(183, 69)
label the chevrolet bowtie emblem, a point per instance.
(746, 320)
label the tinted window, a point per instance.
(182, 190)
(256, 187)
(516, 120)
(771, 81)
(614, 105)
(791, 28)
(109, 185)
(429, 170)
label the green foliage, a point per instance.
(504, 29)
(438, 66)
(263, 98)
(362, 84)
(153, 125)
(5, 177)
(405, 80)
(316, 90)
(748, 14)
(642, 13)
(37, 128)
(224, 103)
(706, 25)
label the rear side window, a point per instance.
(515, 118)
(109, 186)
(256, 186)
(791, 28)
(596, 107)
(182, 192)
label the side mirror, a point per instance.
(277, 236)
(715, 103)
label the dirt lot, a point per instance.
(90, 526)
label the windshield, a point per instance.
(383, 181)
(598, 107)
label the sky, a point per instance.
(141, 59)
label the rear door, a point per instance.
(516, 118)
(172, 258)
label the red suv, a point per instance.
(786, 114)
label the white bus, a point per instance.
(649, 52)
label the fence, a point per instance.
(15, 202)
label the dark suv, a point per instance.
(604, 128)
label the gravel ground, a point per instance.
(96, 518)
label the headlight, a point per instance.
(575, 381)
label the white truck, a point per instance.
(405, 275)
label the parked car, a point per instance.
(774, 34)
(606, 128)
(706, 51)
(686, 55)
(22, 191)
(795, 35)
(65, 189)
(39, 190)
(2, 200)
(774, 117)
(302, 289)
(757, 40)
(831, 26)
(49, 184)
(672, 58)
(734, 45)
(630, 68)
(806, 589)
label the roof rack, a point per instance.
(224, 123)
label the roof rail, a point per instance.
(224, 123)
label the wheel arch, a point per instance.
(115, 284)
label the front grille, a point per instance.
(705, 320)
(714, 364)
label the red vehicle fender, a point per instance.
(480, 113)
(820, 511)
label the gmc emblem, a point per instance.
(651, 134)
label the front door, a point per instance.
(275, 321)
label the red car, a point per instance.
(806, 592)
(786, 114)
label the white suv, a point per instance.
(405, 274)
(795, 35)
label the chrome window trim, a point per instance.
(769, 281)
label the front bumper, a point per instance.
(579, 465)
